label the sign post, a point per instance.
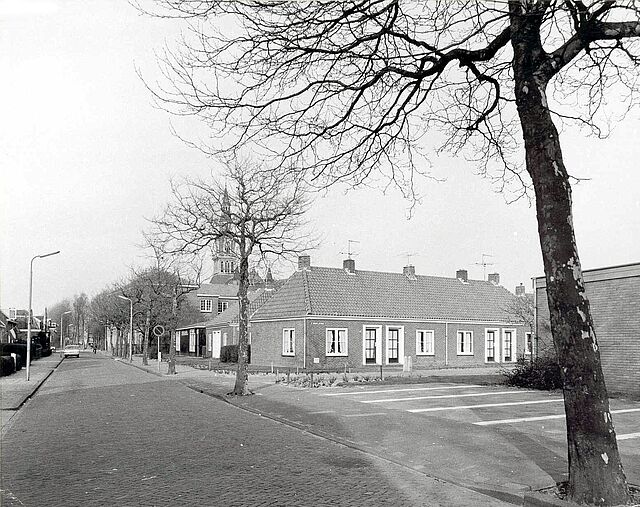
(158, 331)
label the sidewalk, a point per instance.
(15, 390)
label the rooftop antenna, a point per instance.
(484, 265)
(409, 255)
(349, 251)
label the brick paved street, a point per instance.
(102, 433)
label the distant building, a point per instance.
(614, 300)
(330, 318)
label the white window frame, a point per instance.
(513, 345)
(337, 330)
(222, 305)
(496, 345)
(288, 332)
(379, 341)
(206, 305)
(464, 333)
(528, 339)
(429, 340)
(400, 344)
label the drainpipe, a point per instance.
(304, 343)
(446, 344)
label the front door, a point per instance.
(215, 344)
(370, 345)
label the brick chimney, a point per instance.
(494, 278)
(462, 275)
(520, 290)
(409, 271)
(349, 266)
(304, 263)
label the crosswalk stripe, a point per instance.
(441, 396)
(401, 390)
(483, 405)
(547, 417)
(627, 436)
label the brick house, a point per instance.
(330, 318)
(614, 299)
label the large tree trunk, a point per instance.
(145, 340)
(242, 373)
(596, 475)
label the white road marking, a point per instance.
(441, 396)
(484, 405)
(324, 412)
(547, 417)
(627, 436)
(365, 415)
(401, 390)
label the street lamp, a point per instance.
(30, 310)
(130, 327)
(62, 329)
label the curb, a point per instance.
(36, 386)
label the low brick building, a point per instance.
(614, 298)
(331, 318)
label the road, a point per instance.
(99, 432)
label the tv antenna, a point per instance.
(349, 251)
(484, 265)
(408, 255)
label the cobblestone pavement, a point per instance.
(102, 433)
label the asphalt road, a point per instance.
(102, 433)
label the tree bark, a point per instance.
(145, 341)
(242, 373)
(596, 475)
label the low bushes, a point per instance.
(229, 353)
(543, 373)
(7, 365)
(16, 348)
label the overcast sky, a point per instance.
(85, 157)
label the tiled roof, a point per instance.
(218, 289)
(371, 294)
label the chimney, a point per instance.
(462, 275)
(304, 262)
(349, 266)
(409, 271)
(520, 290)
(494, 278)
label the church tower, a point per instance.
(225, 258)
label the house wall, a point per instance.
(266, 345)
(614, 298)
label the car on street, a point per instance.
(71, 350)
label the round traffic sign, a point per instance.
(158, 330)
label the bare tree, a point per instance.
(346, 88)
(259, 213)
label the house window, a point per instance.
(508, 345)
(528, 343)
(490, 345)
(465, 343)
(206, 305)
(222, 306)
(337, 344)
(288, 342)
(424, 343)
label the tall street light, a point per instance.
(30, 310)
(61, 328)
(130, 327)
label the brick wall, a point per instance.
(266, 345)
(615, 307)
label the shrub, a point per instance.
(229, 354)
(16, 348)
(543, 374)
(7, 366)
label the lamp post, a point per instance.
(130, 327)
(62, 329)
(30, 310)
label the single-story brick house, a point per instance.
(331, 318)
(614, 298)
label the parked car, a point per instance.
(72, 350)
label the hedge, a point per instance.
(7, 366)
(16, 348)
(229, 354)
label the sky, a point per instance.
(86, 157)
